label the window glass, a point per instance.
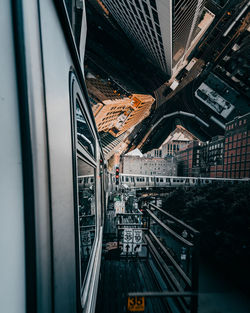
(86, 212)
(84, 134)
(146, 8)
(153, 4)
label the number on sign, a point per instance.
(136, 304)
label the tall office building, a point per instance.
(118, 116)
(163, 29)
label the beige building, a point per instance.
(118, 116)
(177, 141)
(136, 163)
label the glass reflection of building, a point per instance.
(86, 189)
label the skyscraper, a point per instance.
(118, 116)
(162, 29)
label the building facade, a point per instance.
(118, 116)
(162, 29)
(237, 148)
(155, 153)
(211, 158)
(149, 165)
(178, 140)
(234, 67)
(225, 156)
(188, 160)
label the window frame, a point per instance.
(78, 151)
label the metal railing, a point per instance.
(174, 245)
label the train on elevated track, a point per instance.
(140, 181)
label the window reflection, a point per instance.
(87, 211)
(84, 134)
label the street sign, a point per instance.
(128, 235)
(119, 207)
(132, 240)
(137, 235)
(136, 304)
(127, 247)
(137, 240)
(136, 248)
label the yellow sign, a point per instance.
(136, 304)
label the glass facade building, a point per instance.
(162, 29)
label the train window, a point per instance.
(84, 134)
(86, 213)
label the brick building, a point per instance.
(211, 157)
(225, 156)
(237, 148)
(188, 160)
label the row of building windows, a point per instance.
(113, 113)
(137, 21)
(219, 145)
(236, 160)
(238, 152)
(236, 137)
(235, 124)
(235, 145)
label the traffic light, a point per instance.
(117, 176)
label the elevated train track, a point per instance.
(147, 181)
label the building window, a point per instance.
(146, 8)
(153, 4)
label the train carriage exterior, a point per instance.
(51, 227)
(142, 181)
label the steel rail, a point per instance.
(168, 275)
(173, 233)
(175, 264)
(175, 219)
(170, 294)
